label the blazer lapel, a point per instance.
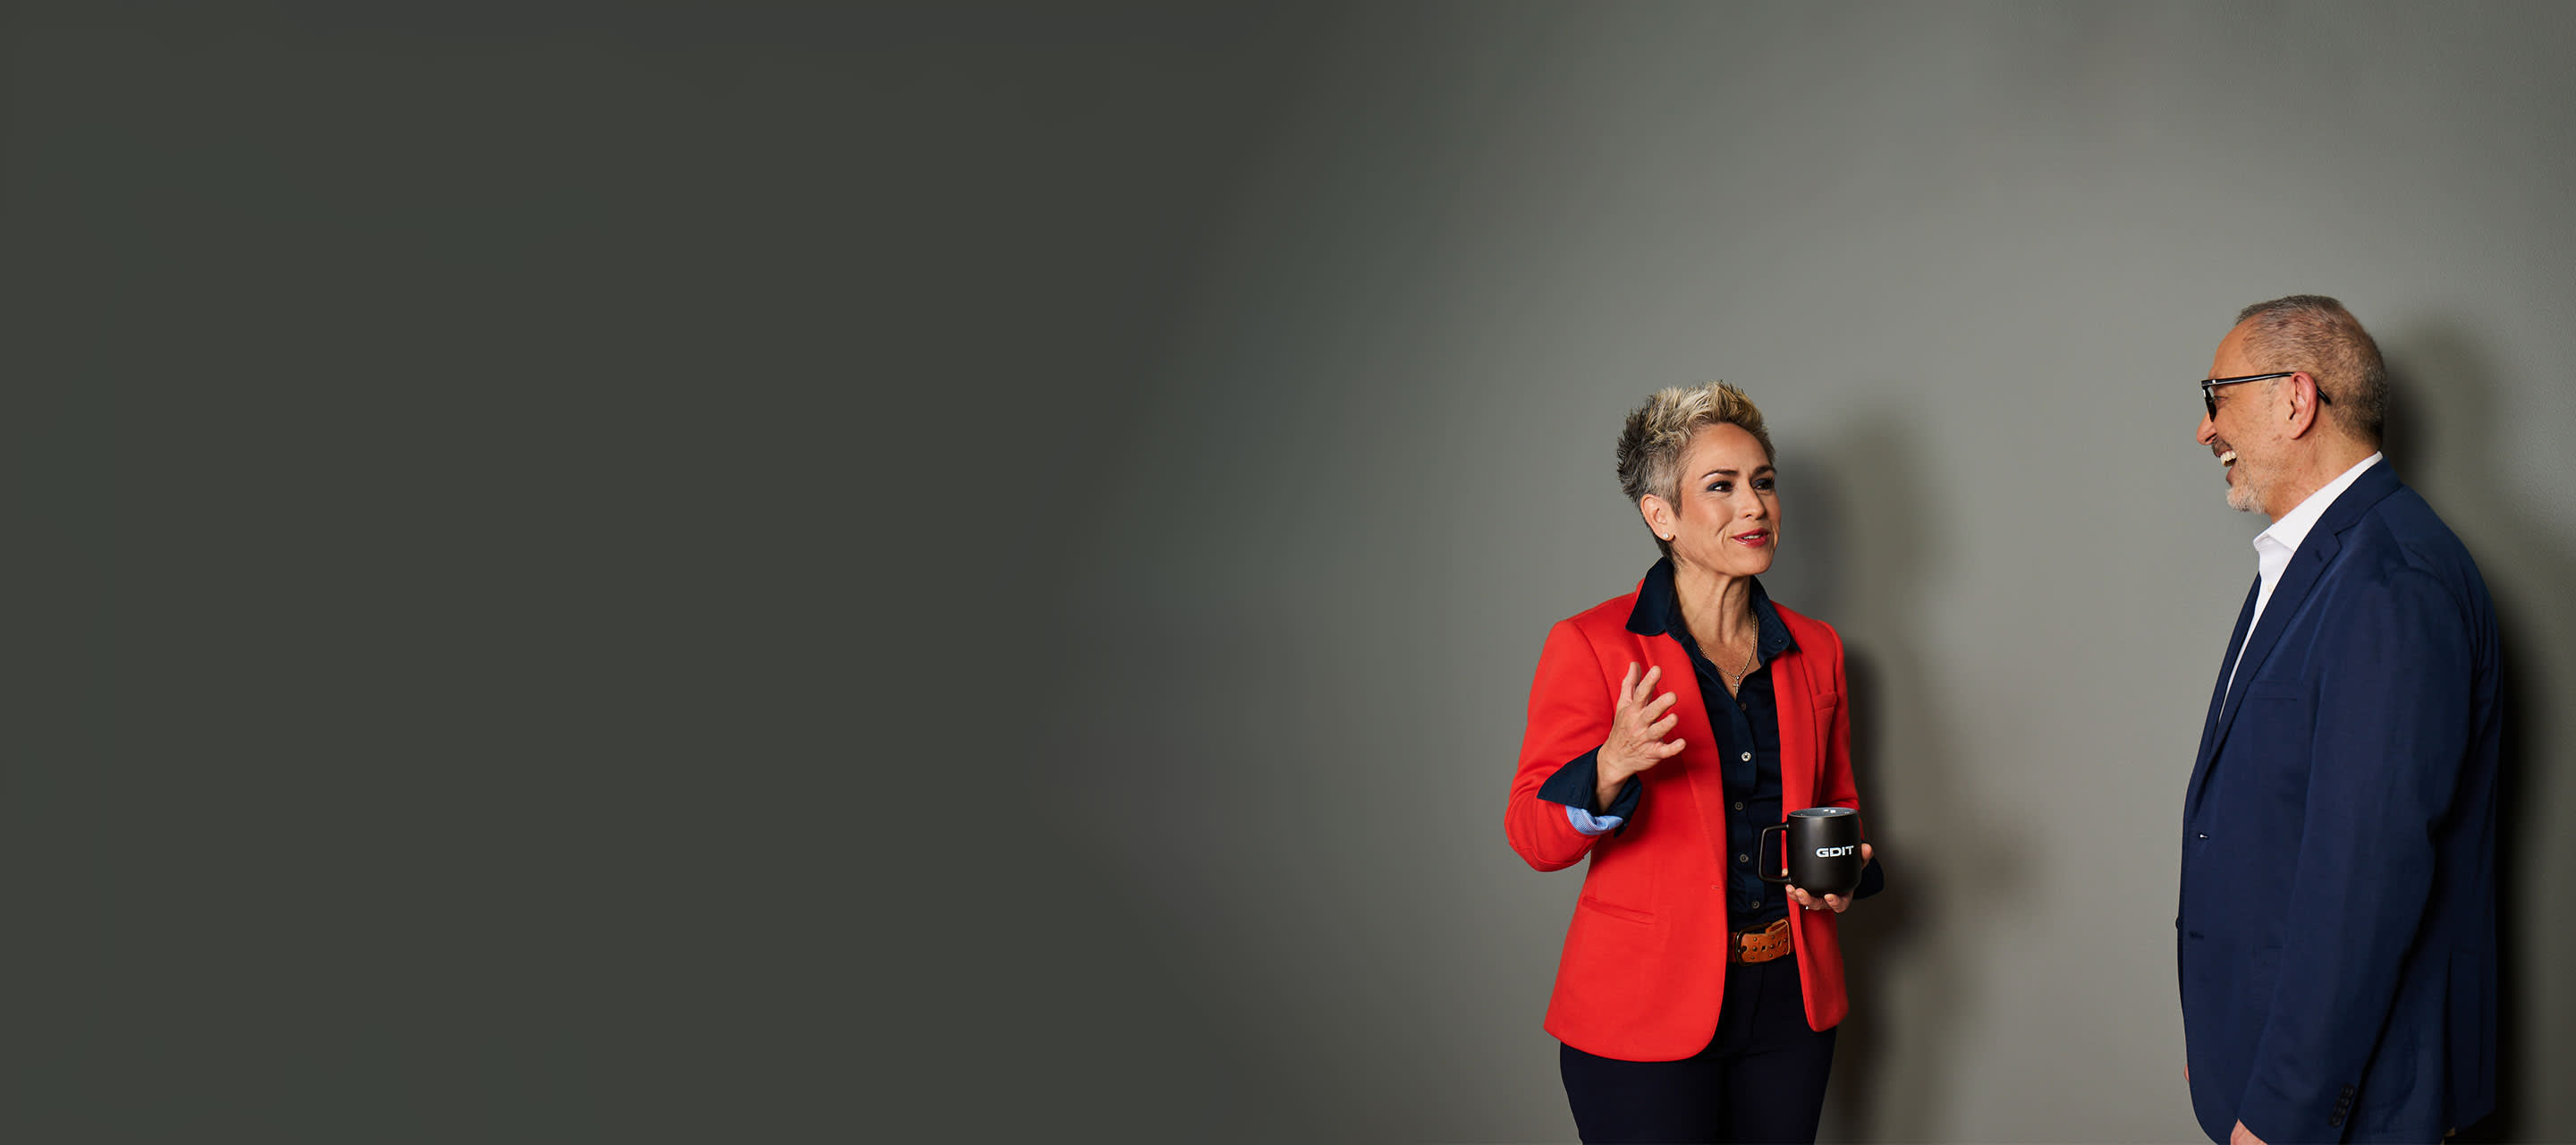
(1698, 759)
(2227, 668)
(2297, 581)
(1795, 693)
(2218, 697)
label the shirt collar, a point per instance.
(1659, 611)
(2286, 533)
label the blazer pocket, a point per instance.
(1825, 704)
(1614, 910)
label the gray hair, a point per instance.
(1651, 444)
(2315, 333)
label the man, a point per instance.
(2337, 929)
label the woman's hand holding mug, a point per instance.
(1835, 903)
(1823, 860)
(1637, 729)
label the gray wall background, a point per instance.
(1969, 257)
(784, 571)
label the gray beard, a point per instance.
(2242, 494)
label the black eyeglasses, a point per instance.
(2209, 388)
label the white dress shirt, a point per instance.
(2274, 547)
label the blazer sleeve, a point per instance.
(2390, 740)
(1569, 715)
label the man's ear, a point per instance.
(2301, 389)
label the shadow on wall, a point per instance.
(2444, 418)
(1865, 556)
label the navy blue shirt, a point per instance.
(1746, 726)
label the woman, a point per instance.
(1695, 1001)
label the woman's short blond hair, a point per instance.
(1651, 444)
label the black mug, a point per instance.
(1824, 851)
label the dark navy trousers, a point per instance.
(1760, 1079)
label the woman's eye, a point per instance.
(1764, 484)
(1721, 486)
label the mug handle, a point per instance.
(1762, 847)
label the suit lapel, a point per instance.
(2218, 694)
(2227, 668)
(2298, 581)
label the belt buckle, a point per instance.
(1738, 943)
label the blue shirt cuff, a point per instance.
(1591, 824)
(1575, 785)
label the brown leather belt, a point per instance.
(1759, 945)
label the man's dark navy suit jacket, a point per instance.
(2337, 929)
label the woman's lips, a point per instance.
(1756, 538)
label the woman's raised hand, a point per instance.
(1637, 729)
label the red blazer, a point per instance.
(1644, 966)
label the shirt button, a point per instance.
(1744, 858)
(1748, 757)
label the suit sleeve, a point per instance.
(1569, 718)
(2391, 734)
